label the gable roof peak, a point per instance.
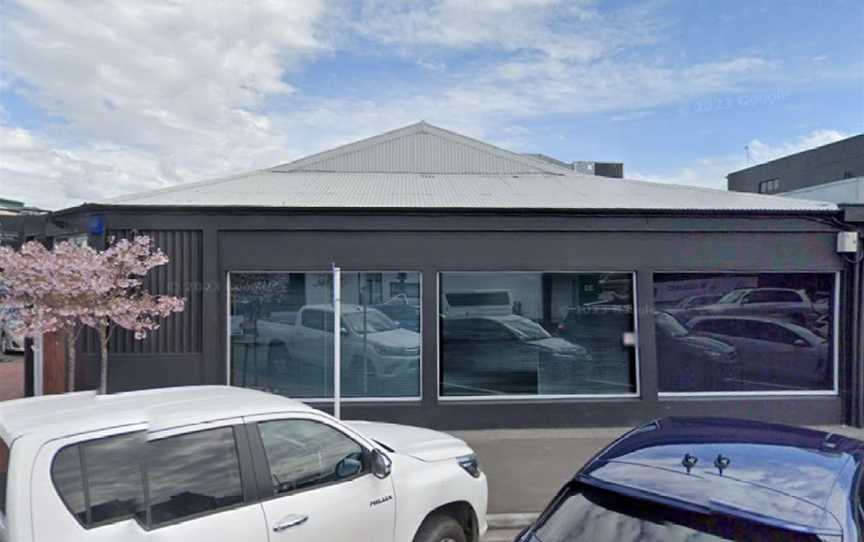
(421, 148)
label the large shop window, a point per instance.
(745, 332)
(282, 333)
(536, 334)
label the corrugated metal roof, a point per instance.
(422, 166)
(421, 148)
(304, 189)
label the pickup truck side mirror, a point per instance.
(381, 464)
(801, 342)
(343, 331)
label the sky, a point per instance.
(103, 98)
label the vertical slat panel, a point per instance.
(181, 332)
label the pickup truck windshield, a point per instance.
(375, 321)
(584, 513)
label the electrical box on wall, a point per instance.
(847, 242)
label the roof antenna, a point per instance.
(721, 463)
(689, 462)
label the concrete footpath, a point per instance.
(526, 467)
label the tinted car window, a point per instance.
(780, 334)
(114, 482)
(66, 473)
(588, 514)
(192, 474)
(4, 471)
(112, 468)
(478, 299)
(313, 319)
(304, 454)
(720, 327)
(765, 331)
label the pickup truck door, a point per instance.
(313, 345)
(315, 481)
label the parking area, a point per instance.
(11, 376)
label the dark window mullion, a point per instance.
(85, 483)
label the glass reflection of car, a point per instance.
(782, 303)
(773, 352)
(600, 328)
(692, 362)
(707, 479)
(372, 344)
(502, 343)
(698, 301)
(404, 315)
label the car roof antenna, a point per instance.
(722, 462)
(689, 462)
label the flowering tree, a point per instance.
(70, 286)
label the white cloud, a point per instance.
(575, 29)
(147, 94)
(711, 171)
(149, 91)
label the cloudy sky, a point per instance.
(102, 98)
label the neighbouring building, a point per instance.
(483, 288)
(15, 218)
(833, 172)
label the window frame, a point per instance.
(229, 366)
(769, 186)
(637, 345)
(262, 463)
(834, 336)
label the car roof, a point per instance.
(766, 288)
(55, 416)
(774, 470)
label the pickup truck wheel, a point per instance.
(440, 528)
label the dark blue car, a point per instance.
(706, 479)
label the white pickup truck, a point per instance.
(225, 464)
(372, 343)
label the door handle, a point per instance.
(287, 522)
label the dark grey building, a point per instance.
(484, 288)
(832, 172)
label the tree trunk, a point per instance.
(71, 336)
(103, 358)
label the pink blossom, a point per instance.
(53, 290)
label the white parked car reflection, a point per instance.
(773, 353)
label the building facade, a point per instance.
(484, 289)
(833, 172)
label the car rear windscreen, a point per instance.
(584, 513)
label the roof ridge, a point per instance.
(421, 127)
